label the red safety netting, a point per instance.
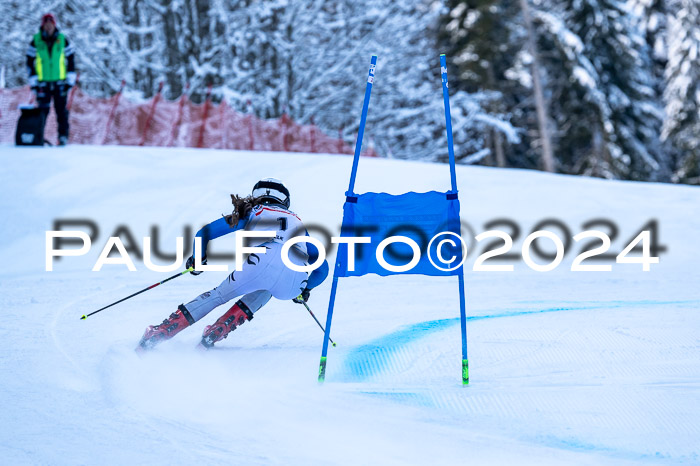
(179, 123)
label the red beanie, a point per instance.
(48, 17)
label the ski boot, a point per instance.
(178, 321)
(227, 323)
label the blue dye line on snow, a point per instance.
(369, 359)
(373, 358)
(578, 445)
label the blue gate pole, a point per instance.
(463, 325)
(448, 121)
(363, 120)
(453, 178)
(351, 188)
(327, 334)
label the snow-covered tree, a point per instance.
(682, 94)
(600, 83)
(406, 112)
(318, 58)
(14, 40)
(613, 73)
(481, 39)
(580, 111)
(601, 63)
(653, 16)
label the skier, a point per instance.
(51, 66)
(262, 275)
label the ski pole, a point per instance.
(319, 323)
(138, 292)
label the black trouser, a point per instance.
(59, 93)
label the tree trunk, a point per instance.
(173, 60)
(542, 119)
(498, 147)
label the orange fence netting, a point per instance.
(179, 123)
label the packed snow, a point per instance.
(566, 367)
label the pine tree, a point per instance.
(653, 16)
(406, 115)
(139, 31)
(615, 47)
(579, 108)
(482, 39)
(682, 94)
(600, 82)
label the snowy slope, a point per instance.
(565, 367)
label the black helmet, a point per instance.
(272, 190)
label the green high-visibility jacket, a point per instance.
(50, 66)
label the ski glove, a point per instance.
(190, 263)
(303, 297)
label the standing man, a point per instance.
(51, 65)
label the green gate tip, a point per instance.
(83, 317)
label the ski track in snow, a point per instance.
(52, 329)
(602, 369)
